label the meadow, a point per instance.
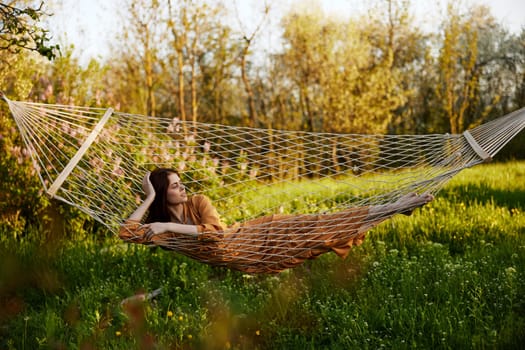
(451, 276)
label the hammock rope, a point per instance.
(95, 159)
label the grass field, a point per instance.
(451, 276)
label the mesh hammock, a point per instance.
(287, 196)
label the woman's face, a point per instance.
(176, 192)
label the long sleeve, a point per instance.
(209, 217)
(130, 231)
(206, 218)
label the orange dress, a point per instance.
(268, 244)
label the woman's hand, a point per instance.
(147, 186)
(141, 210)
(154, 228)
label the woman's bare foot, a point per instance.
(406, 204)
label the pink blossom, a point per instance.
(165, 155)
(98, 97)
(65, 128)
(15, 151)
(118, 172)
(49, 91)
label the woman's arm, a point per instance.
(138, 214)
(156, 228)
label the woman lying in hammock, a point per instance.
(270, 244)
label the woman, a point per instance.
(270, 244)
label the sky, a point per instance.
(90, 25)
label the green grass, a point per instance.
(451, 276)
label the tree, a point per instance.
(459, 78)
(390, 27)
(500, 61)
(248, 42)
(219, 93)
(177, 29)
(196, 35)
(518, 45)
(305, 46)
(135, 66)
(19, 30)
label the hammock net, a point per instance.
(95, 159)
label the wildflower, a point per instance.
(118, 333)
(510, 270)
(181, 318)
(190, 336)
(257, 332)
(169, 314)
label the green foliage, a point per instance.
(459, 72)
(22, 201)
(19, 30)
(21, 198)
(450, 276)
